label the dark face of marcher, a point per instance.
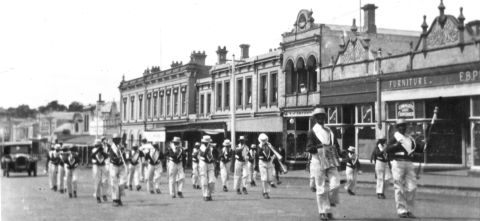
(320, 119)
(116, 141)
(241, 142)
(402, 128)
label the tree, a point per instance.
(24, 111)
(75, 106)
(55, 106)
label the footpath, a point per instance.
(446, 181)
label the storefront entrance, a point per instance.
(449, 134)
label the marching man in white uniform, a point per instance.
(71, 175)
(225, 160)
(241, 167)
(252, 171)
(61, 169)
(195, 173)
(100, 173)
(400, 149)
(53, 166)
(206, 167)
(265, 163)
(176, 160)
(134, 167)
(323, 146)
(155, 169)
(353, 166)
(118, 170)
(383, 173)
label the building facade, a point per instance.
(160, 103)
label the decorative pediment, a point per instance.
(355, 51)
(304, 20)
(441, 35)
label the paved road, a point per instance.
(28, 198)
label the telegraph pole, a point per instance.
(232, 103)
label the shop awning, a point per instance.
(82, 140)
(258, 124)
(206, 127)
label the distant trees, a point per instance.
(24, 111)
(75, 106)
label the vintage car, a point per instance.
(17, 157)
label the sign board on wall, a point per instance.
(154, 136)
(406, 110)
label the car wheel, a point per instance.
(35, 171)
(29, 173)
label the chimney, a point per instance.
(244, 48)
(99, 97)
(369, 23)
(198, 57)
(222, 55)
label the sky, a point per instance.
(69, 50)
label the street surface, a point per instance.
(29, 198)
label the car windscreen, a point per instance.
(14, 149)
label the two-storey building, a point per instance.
(160, 103)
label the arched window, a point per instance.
(312, 73)
(291, 78)
(302, 76)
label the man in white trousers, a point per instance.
(155, 168)
(71, 174)
(241, 168)
(195, 173)
(54, 157)
(134, 168)
(265, 163)
(323, 146)
(401, 148)
(100, 171)
(383, 174)
(176, 175)
(252, 170)
(225, 160)
(207, 156)
(118, 170)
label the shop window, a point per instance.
(219, 96)
(249, 91)
(366, 114)
(419, 109)
(302, 123)
(291, 124)
(476, 107)
(391, 110)
(332, 115)
(476, 144)
(290, 146)
(239, 92)
(366, 141)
